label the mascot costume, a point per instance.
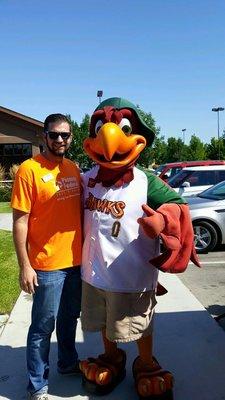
(128, 212)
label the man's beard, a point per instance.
(55, 152)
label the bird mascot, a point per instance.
(128, 213)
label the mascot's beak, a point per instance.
(112, 147)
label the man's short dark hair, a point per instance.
(55, 118)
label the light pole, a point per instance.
(99, 95)
(218, 109)
(183, 134)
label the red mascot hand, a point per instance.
(153, 224)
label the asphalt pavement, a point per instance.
(187, 341)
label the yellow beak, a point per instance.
(112, 148)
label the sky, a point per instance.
(167, 56)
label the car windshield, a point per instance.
(159, 169)
(216, 192)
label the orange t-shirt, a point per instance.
(50, 193)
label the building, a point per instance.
(19, 137)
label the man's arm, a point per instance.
(28, 276)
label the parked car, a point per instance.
(193, 180)
(167, 171)
(208, 217)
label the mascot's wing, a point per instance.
(178, 235)
(178, 239)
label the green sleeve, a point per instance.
(160, 193)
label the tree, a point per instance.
(76, 152)
(214, 148)
(159, 150)
(176, 150)
(148, 155)
(196, 149)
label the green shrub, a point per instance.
(2, 173)
(5, 192)
(13, 170)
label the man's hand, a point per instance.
(153, 224)
(28, 279)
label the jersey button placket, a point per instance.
(93, 237)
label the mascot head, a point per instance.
(118, 134)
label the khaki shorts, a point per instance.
(125, 316)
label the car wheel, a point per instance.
(206, 236)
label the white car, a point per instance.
(208, 217)
(193, 180)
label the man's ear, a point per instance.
(71, 138)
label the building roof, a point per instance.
(21, 116)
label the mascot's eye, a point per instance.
(98, 125)
(125, 125)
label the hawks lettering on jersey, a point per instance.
(116, 208)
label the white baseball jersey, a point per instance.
(116, 251)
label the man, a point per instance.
(47, 237)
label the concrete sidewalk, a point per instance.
(187, 341)
(6, 221)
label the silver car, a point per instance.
(208, 217)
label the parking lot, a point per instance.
(208, 283)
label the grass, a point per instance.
(9, 287)
(5, 207)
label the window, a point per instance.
(175, 171)
(8, 149)
(16, 149)
(159, 169)
(206, 178)
(177, 180)
(195, 178)
(168, 173)
(221, 176)
(216, 192)
(27, 150)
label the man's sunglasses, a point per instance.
(54, 135)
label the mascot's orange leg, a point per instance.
(102, 374)
(110, 347)
(151, 381)
(145, 349)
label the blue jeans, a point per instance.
(57, 298)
